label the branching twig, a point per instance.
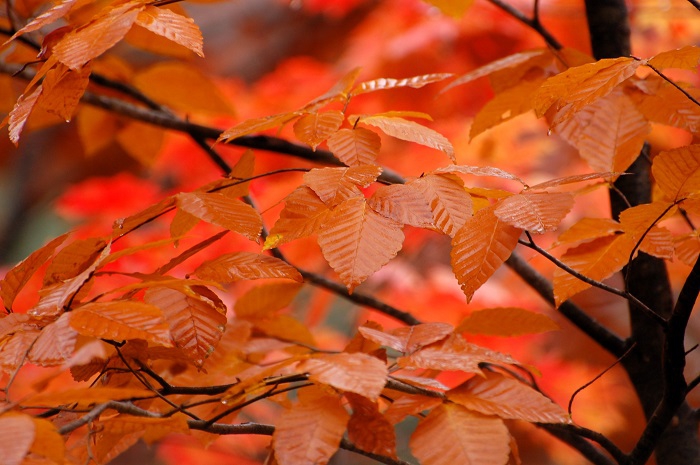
(533, 23)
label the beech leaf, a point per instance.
(314, 128)
(506, 322)
(408, 339)
(537, 212)
(246, 265)
(55, 343)
(359, 373)
(687, 57)
(389, 83)
(357, 146)
(20, 113)
(218, 209)
(150, 429)
(368, 429)
(357, 241)
(256, 125)
(16, 436)
(62, 90)
(303, 214)
(450, 203)
(175, 27)
(86, 396)
(334, 185)
(57, 11)
(266, 300)
(403, 203)
(587, 229)
(677, 171)
(479, 171)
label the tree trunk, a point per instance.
(647, 276)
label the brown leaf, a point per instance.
(122, 320)
(505, 106)
(357, 241)
(447, 199)
(506, 321)
(246, 265)
(48, 443)
(334, 185)
(403, 203)
(359, 373)
(73, 259)
(452, 434)
(662, 103)
(309, 434)
(218, 209)
(480, 247)
(357, 146)
(314, 128)
(408, 339)
(195, 324)
(62, 90)
(495, 394)
(16, 437)
(368, 429)
(536, 212)
(20, 113)
(302, 216)
(178, 28)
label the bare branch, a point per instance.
(533, 23)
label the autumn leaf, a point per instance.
(73, 259)
(309, 434)
(152, 429)
(339, 92)
(55, 344)
(447, 199)
(536, 212)
(359, 373)
(57, 11)
(408, 339)
(368, 429)
(687, 57)
(662, 103)
(218, 209)
(246, 265)
(506, 321)
(479, 171)
(357, 241)
(256, 125)
(403, 203)
(86, 396)
(507, 398)
(314, 128)
(409, 404)
(266, 300)
(195, 324)
(452, 434)
(677, 171)
(334, 185)
(122, 320)
(303, 214)
(175, 27)
(17, 118)
(389, 83)
(357, 146)
(62, 90)
(587, 229)
(48, 442)
(480, 247)
(16, 436)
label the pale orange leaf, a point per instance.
(450, 203)
(314, 128)
(86, 396)
(180, 29)
(506, 322)
(57, 11)
(409, 404)
(48, 443)
(122, 320)
(677, 171)
(403, 203)
(17, 434)
(479, 171)
(408, 339)
(266, 300)
(334, 185)
(82, 45)
(662, 103)
(218, 209)
(17, 277)
(62, 90)
(55, 344)
(181, 224)
(537, 212)
(338, 92)
(14, 349)
(636, 220)
(452, 434)
(609, 133)
(582, 85)
(658, 242)
(368, 429)
(246, 265)
(505, 106)
(687, 57)
(153, 429)
(587, 229)
(302, 216)
(359, 373)
(357, 241)
(309, 434)
(195, 324)
(284, 328)
(556, 182)
(256, 125)
(358, 146)
(480, 247)
(495, 394)
(454, 354)
(20, 113)
(389, 83)
(410, 131)
(73, 259)
(503, 63)
(182, 87)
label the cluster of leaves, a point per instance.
(164, 354)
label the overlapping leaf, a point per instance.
(218, 209)
(662, 103)
(86, 396)
(403, 203)
(536, 212)
(246, 265)
(149, 429)
(303, 214)
(587, 229)
(314, 128)
(16, 436)
(447, 199)
(55, 344)
(256, 125)
(62, 90)
(677, 171)
(480, 247)
(357, 146)
(357, 241)
(175, 27)
(334, 185)
(505, 106)
(266, 300)
(57, 11)
(506, 321)
(452, 434)
(20, 113)
(368, 429)
(359, 373)
(389, 83)
(408, 339)
(687, 57)
(479, 171)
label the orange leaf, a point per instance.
(480, 247)
(446, 197)
(503, 63)
(454, 8)
(86, 396)
(266, 300)
(195, 324)
(15, 279)
(636, 220)
(245, 265)
(536, 212)
(687, 249)
(63, 89)
(82, 45)
(218, 209)
(122, 320)
(334, 185)
(609, 133)
(403, 203)
(506, 321)
(687, 57)
(581, 85)
(96, 129)
(181, 224)
(178, 28)
(315, 128)
(284, 327)
(409, 404)
(587, 229)
(153, 429)
(368, 429)
(455, 354)
(660, 102)
(73, 259)
(556, 182)
(357, 241)
(20, 113)
(452, 434)
(309, 434)
(257, 125)
(359, 373)
(55, 344)
(358, 146)
(57, 11)
(658, 242)
(302, 216)
(338, 92)
(677, 171)
(141, 141)
(597, 260)
(182, 87)
(495, 394)
(408, 339)
(388, 83)
(409, 131)
(48, 442)
(479, 171)
(16, 437)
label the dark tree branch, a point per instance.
(533, 23)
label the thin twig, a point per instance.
(533, 24)
(667, 79)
